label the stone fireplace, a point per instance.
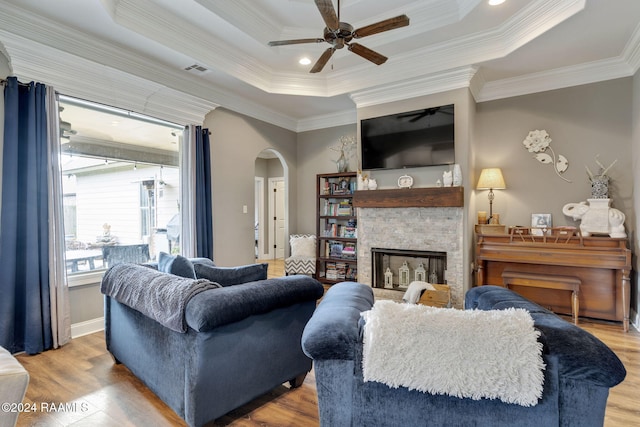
(422, 228)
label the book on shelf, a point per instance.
(337, 230)
(336, 270)
(342, 208)
(330, 271)
(351, 273)
(335, 249)
(349, 251)
(349, 232)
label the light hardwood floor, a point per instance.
(97, 392)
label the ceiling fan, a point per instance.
(420, 114)
(339, 34)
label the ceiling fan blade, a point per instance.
(379, 27)
(328, 14)
(322, 61)
(295, 41)
(367, 53)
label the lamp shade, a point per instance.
(491, 179)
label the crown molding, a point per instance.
(80, 78)
(429, 14)
(244, 15)
(85, 67)
(530, 22)
(536, 19)
(559, 78)
(426, 85)
(339, 118)
(174, 32)
(86, 79)
(631, 52)
(476, 84)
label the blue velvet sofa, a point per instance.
(580, 369)
(240, 341)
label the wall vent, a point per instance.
(196, 67)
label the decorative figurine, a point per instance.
(403, 274)
(420, 275)
(388, 279)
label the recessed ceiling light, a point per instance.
(496, 2)
(304, 61)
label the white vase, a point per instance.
(447, 178)
(342, 163)
(363, 183)
(457, 175)
(372, 184)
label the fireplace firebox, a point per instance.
(396, 268)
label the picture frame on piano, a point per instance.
(540, 223)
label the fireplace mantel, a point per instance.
(440, 197)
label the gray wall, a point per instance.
(315, 157)
(634, 218)
(583, 121)
(236, 141)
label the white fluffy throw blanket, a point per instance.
(464, 353)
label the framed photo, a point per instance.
(540, 223)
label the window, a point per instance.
(147, 207)
(121, 183)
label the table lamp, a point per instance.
(491, 179)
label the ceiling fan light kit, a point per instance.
(339, 34)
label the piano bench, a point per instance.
(546, 281)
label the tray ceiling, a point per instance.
(202, 54)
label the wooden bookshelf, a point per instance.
(336, 228)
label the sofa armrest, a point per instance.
(222, 306)
(334, 329)
(581, 356)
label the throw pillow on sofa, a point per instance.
(227, 276)
(176, 264)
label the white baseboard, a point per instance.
(87, 327)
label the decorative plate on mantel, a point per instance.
(405, 181)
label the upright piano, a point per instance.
(602, 265)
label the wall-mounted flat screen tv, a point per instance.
(408, 140)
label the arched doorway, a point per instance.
(271, 205)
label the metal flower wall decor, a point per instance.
(539, 142)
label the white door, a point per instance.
(277, 217)
(259, 218)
